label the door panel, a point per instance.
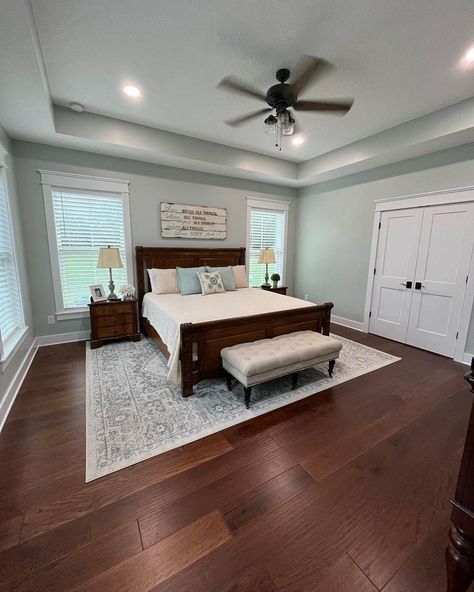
(443, 261)
(395, 265)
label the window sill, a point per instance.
(69, 315)
(11, 347)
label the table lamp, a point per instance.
(109, 257)
(266, 256)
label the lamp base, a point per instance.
(112, 295)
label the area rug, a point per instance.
(134, 412)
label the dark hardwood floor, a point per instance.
(346, 491)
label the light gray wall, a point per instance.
(7, 377)
(150, 184)
(334, 225)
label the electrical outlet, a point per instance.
(306, 297)
(51, 320)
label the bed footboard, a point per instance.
(209, 338)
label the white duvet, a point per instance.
(166, 313)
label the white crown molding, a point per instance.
(419, 200)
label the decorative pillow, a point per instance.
(188, 280)
(163, 281)
(211, 282)
(226, 275)
(240, 276)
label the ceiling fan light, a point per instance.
(270, 125)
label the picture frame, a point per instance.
(97, 293)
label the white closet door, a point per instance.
(395, 267)
(440, 281)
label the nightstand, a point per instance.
(113, 320)
(279, 290)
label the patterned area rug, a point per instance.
(134, 413)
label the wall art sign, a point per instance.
(200, 222)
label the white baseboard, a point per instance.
(466, 359)
(62, 338)
(14, 387)
(350, 323)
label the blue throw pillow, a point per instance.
(188, 280)
(227, 276)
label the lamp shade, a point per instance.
(267, 256)
(109, 257)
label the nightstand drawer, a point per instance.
(113, 331)
(110, 320)
(105, 310)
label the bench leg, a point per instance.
(332, 363)
(228, 380)
(248, 392)
(294, 381)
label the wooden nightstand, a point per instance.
(113, 320)
(279, 290)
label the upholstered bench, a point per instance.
(258, 361)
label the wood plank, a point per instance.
(178, 487)
(18, 562)
(243, 486)
(10, 531)
(161, 561)
(85, 563)
(62, 508)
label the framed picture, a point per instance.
(186, 221)
(98, 293)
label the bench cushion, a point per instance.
(265, 356)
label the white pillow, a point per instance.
(240, 276)
(163, 281)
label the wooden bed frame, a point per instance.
(209, 338)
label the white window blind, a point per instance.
(11, 315)
(267, 228)
(84, 222)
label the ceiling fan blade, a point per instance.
(309, 69)
(335, 106)
(235, 85)
(236, 121)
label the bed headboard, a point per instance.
(168, 257)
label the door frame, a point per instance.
(421, 200)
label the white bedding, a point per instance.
(166, 313)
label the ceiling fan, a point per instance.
(283, 96)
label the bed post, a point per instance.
(326, 321)
(140, 282)
(186, 356)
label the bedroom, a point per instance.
(112, 479)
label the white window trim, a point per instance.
(274, 205)
(10, 346)
(50, 179)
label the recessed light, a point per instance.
(298, 140)
(131, 91)
(469, 57)
(77, 107)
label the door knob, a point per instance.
(418, 286)
(407, 285)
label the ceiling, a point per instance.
(399, 60)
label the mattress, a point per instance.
(167, 312)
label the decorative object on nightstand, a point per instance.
(266, 256)
(97, 293)
(275, 279)
(109, 258)
(127, 291)
(113, 320)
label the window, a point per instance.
(12, 325)
(267, 223)
(84, 214)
